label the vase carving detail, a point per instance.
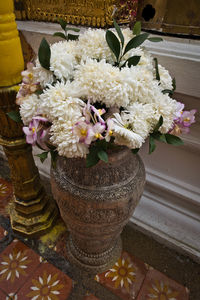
(96, 203)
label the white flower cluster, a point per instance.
(85, 70)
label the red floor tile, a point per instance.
(6, 192)
(3, 296)
(3, 232)
(17, 263)
(125, 278)
(90, 297)
(157, 286)
(46, 283)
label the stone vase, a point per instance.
(96, 203)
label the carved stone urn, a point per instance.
(96, 203)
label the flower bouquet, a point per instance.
(98, 90)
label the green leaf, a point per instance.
(72, 37)
(113, 43)
(39, 92)
(15, 116)
(135, 151)
(167, 91)
(92, 158)
(159, 137)
(63, 23)
(60, 34)
(133, 61)
(136, 42)
(157, 71)
(119, 32)
(54, 155)
(152, 145)
(155, 39)
(137, 28)
(160, 122)
(174, 84)
(44, 54)
(173, 139)
(102, 155)
(43, 156)
(72, 29)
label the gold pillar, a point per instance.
(31, 210)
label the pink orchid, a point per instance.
(182, 124)
(28, 86)
(83, 130)
(109, 131)
(37, 131)
(97, 131)
(98, 113)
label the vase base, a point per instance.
(94, 263)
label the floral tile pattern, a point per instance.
(3, 232)
(157, 286)
(47, 283)
(17, 262)
(125, 278)
(6, 192)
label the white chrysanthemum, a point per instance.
(165, 107)
(42, 75)
(141, 118)
(61, 102)
(165, 78)
(29, 108)
(123, 135)
(102, 82)
(66, 142)
(92, 44)
(142, 85)
(63, 59)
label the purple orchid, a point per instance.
(183, 122)
(37, 132)
(98, 113)
(28, 86)
(97, 131)
(83, 130)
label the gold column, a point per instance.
(31, 210)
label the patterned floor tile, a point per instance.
(17, 262)
(157, 286)
(46, 283)
(3, 296)
(3, 233)
(125, 278)
(90, 297)
(6, 192)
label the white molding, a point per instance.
(170, 211)
(172, 47)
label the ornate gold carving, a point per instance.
(96, 13)
(31, 210)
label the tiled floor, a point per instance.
(25, 272)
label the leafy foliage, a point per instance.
(15, 116)
(67, 36)
(157, 70)
(44, 54)
(137, 28)
(43, 156)
(155, 39)
(113, 43)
